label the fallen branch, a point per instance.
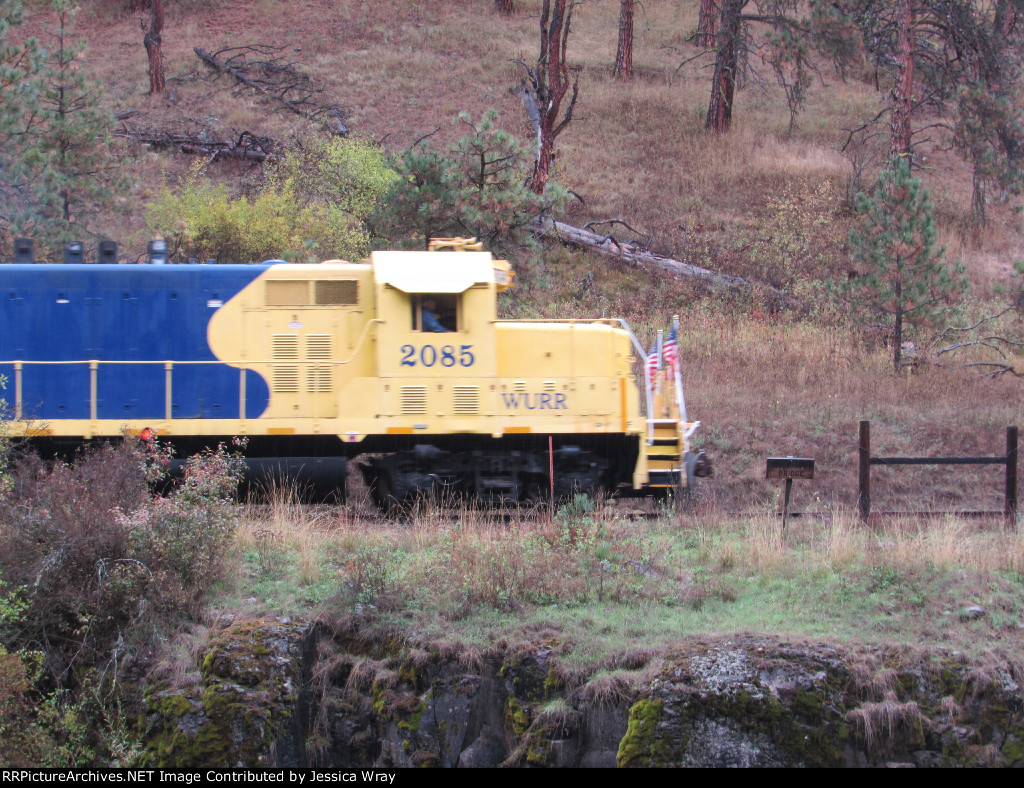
(607, 246)
(647, 244)
(335, 125)
(248, 146)
(220, 65)
(999, 369)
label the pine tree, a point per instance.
(20, 66)
(905, 280)
(494, 200)
(421, 202)
(478, 188)
(58, 172)
(80, 176)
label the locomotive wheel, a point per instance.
(384, 493)
(535, 493)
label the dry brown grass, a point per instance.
(841, 542)
(284, 526)
(776, 389)
(609, 689)
(886, 719)
(177, 662)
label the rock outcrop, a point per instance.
(282, 694)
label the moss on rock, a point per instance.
(641, 746)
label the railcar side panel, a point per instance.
(130, 320)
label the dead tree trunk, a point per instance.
(902, 91)
(152, 43)
(548, 84)
(707, 25)
(723, 84)
(624, 54)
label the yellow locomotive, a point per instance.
(401, 357)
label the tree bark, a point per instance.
(897, 335)
(152, 43)
(902, 91)
(549, 84)
(707, 25)
(723, 84)
(624, 54)
(978, 218)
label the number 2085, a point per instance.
(429, 356)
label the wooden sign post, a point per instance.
(789, 468)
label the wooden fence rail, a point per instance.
(1009, 460)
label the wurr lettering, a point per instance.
(545, 401)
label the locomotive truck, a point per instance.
(317, 364)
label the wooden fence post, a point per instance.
(864, 476)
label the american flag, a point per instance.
(652, 362)
(670, 350)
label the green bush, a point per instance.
(346, 175)
(312, 206)
(36, 729)
(99, 561)
(202, 220)
(186, 534)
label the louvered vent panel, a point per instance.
(466, 399)
(414, 399)
(341, 292)
(284, 347)
(287, 293)
(286, 378)
(318, 346)
(318, 378)
(520, 385)
(549, 385)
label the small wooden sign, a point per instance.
(790, 468)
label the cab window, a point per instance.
(435, 312)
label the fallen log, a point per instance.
(246, 147)
(635, 254)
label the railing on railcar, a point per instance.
(244, 366)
